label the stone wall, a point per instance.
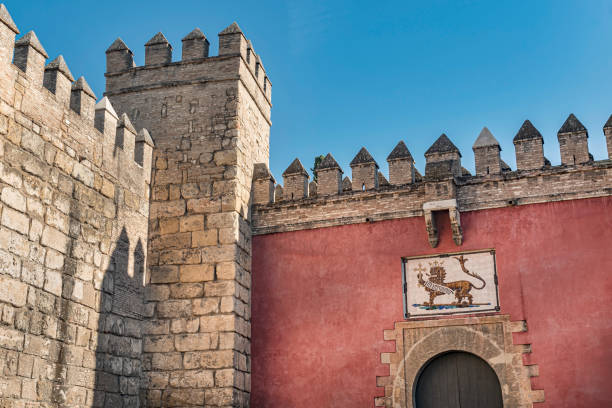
(74, 214)
(210, 120)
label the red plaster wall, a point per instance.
(322, 298)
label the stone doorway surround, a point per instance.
(488, 337)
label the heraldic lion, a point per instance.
(437, 286)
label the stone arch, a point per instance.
(488, 337)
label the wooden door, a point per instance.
(458, 380)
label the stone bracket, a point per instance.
(430, 222)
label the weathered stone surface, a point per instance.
(13, 198)
(13, 291)
(84, 227)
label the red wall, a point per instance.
(322, 298)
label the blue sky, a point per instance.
(347, 74)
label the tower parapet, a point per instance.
(329, 175)
(119, 57)
(30, 57)
(401, 165)
(486, 154)
(58, 80)
(364, 170)
(195, 45)
(263, 184)
(158, 50)
(295, 180)
(573, 142)
(82, 99)
(443, 159)
(529, 147)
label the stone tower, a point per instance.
(210, 120)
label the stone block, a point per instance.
(12, 291)
(192, 379)
(222, 220)
(54, 259)
(36, 229)
(186, 290)
(204, 238)
(158, 344)
(180, 257)
(57, 219)
(164, 274)
(217, 323)
(15, 220)
(227, 270)
(220, 396)
(33, 274)
(83, 174)
(220, 253)
(28, 389)
(224, 378)
(174, 308)
(157, 292)
(10, 264)
(193, 342)
(205, 306)
(156, 380)
(182, 398)
(11, 339)
(208, 359)
(220, 288)
(203, 206)
(32, 142)
(192, 223)
(156, 327)
(10, 388)
(55, 239)
(196, 273)
(167, 209)
(180, 240)
(11, 176)
(13, 198)
(166, 361)
(185, 325)
(168, 226)
(107, 188)
(37, 345)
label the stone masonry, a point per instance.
(210, 120)
(126, 223)
(73, 235)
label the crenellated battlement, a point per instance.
(368, 196)
(127, 223)
(48, 99)
(195, 66)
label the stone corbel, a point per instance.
(432, 230)
(430, 223)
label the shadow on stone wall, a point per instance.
(118, 341)
(119, 351)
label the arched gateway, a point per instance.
(457, 380)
